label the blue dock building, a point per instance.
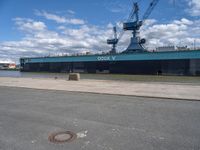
(165, 63)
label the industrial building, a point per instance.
(6, 66)
(165, 63)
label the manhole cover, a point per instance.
(62, 137)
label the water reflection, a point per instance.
(4, 73)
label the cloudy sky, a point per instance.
(30, 28)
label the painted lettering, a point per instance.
(113, 57)
(103, 58)
(106, 58)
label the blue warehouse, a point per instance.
(165, 63)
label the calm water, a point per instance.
(4, 73)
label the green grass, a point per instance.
(118, 77)
(9, 69)
(143, 78)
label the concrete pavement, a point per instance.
(108, 122)
(147, 89)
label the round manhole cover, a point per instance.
(62, 137)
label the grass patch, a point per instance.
(142, 78)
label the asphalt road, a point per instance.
(103, 122)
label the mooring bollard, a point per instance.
(74, 77)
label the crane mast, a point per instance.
(136, 44)
(134, 26)
(113, 41)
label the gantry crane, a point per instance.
(113, 41)
(136, 44)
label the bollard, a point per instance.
(74, 77)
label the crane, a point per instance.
(136, 44)
(113, 41)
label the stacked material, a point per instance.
(74, 76)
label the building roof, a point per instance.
(192, 54)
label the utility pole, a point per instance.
(194, 44)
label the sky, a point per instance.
(31, 28)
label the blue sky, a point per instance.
(56, 27)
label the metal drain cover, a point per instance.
(62, 137)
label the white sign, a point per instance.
(106, 58)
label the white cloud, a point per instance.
(75, 21)
(60, 19)
(183, 21)
(110, 25)
(71, 12)
(38, 40)
(6, 61)
(179, 32)
(29, 25)
(194, 9)
(61, 27)
(149, 22)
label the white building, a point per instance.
(165, 48)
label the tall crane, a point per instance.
(113, 41)
(136, 44)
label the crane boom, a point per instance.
(149, 10)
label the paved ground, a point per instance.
(148, 89)
(105, 122)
